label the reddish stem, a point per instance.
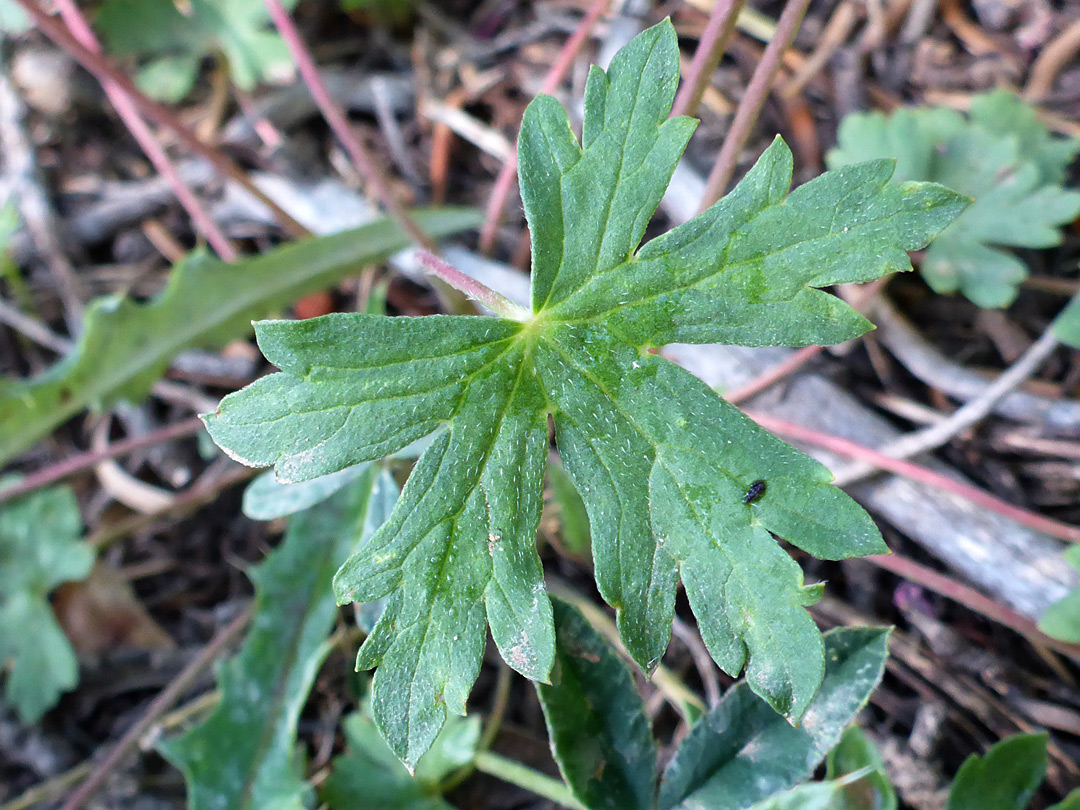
(104, 70)
(970, 598)
(792, 363)
(915, 472)
(129, 114)
(335, 117)
(753, 100)
(505, 180)
(709, 51)
(494, 301)
(91, 458)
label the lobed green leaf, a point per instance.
(661, 461)
(1005, 778)
(1001, 155)
(41, 546)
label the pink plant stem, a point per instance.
(494, 301)
(792, 363)
(753, 100)
(970, 598)
(104, 70)
(335, 117)
(505, 180)
(91, 458)
(709, 52)
(129, 114)
(915, 472)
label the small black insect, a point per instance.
(757, 489)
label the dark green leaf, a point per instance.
(741, 752)
(245, 756)
(370, 776)
(661, 461)
(125, 345)
(855, 753)
(599, 733)
(41, 547)
(159, 30)
(1004, 157)
(1005, 778)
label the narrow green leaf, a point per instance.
(245, 754)
(1004, 157)
(1005, 778)
(855, 753)
(596, 721)
(41, 547)
(662, 462)
(370, 776)
(1067, 324)
(266, 498)
(126, 345)
(741, 752)
(813, 796)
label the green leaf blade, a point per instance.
(742, 753)
(593, 218)
(596, 721)
(370, 777)
(244, 755)
(458, 554)
(354, 388)
(662, 464)
(747, 271)
(1005, 778)
(1001, 155)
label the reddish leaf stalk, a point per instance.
(129, 114)
(915, 472)
(104, 70)
(710, 51)
(770, 377)
(494, 301)
(505, 180)
(970, 598)
(753, 100)
(335, 117)
(91, 458)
